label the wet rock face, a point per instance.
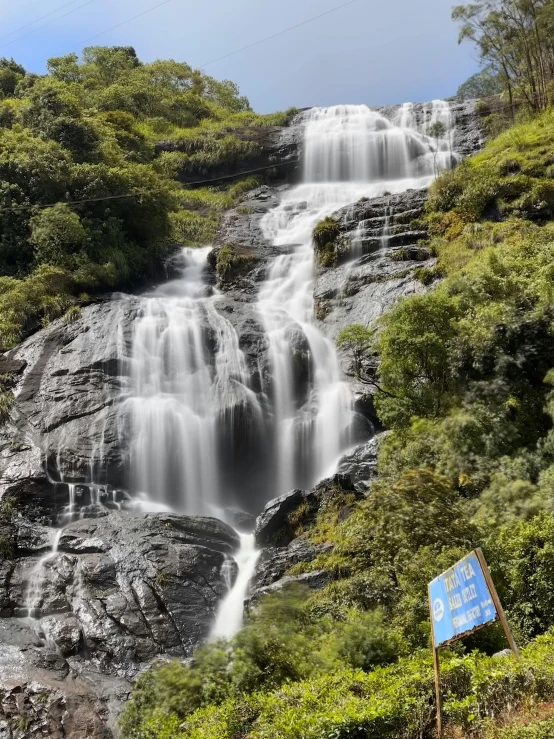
(275, 534)
(387, 247)
(361, 464)
(270, 575)
(120, 591)
(65, 417)
(468, 135)
(124, 588)
(274, 516)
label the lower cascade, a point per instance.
(230, 616)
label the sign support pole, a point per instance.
(436, 667)
(497, 604)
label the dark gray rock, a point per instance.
(275, 533)
(382, 268)
(41, 694)
(64, 421)
(119, 591)
(275, 561)
(274, 516)
(314, 580)
(272, 525)
(361, 464)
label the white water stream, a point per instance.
(349, 152)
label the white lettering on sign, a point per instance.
(469, 593)
(455, 601)
(467, 571)
(451, 581)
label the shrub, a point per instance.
(325, 236)
(356, 340)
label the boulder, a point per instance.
(361, 464)
(64, 422)
(314, 580)
(275, 561)
(274, 516)
(136, 585)
(117, 592)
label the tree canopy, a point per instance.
(515, 40)
(89, 153)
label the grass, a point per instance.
(500, 195)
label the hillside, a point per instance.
(89, 156)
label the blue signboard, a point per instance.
(460, 601)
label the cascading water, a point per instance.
(350, 152)
(191, 393)
(199, 434)
(229, 618)
(188, 377)
(190, 384)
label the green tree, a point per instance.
(56, 234)
(416, 345)
(356, 341)
(65, 68)
(10, 74)
(514, 40)
(483, 84)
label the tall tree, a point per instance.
(514, 39)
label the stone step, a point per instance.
(404, 238)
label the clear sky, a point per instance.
(373, 51)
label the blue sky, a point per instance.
(373, 51)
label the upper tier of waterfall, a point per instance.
(354, 144)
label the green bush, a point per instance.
(325, 238)
(395, 701)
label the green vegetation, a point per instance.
(232, 261)
(89, 154)
(394, 701)
(483, 84)
(326, 240)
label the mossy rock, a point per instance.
(233, 262)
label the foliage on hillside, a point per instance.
(202, 701)
(106, 126)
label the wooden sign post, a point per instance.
(463, 600)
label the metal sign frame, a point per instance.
(500, 616)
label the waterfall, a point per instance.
(350, 151)
(193, 414)
(201, 439)
(188, 378)
(230, 615)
